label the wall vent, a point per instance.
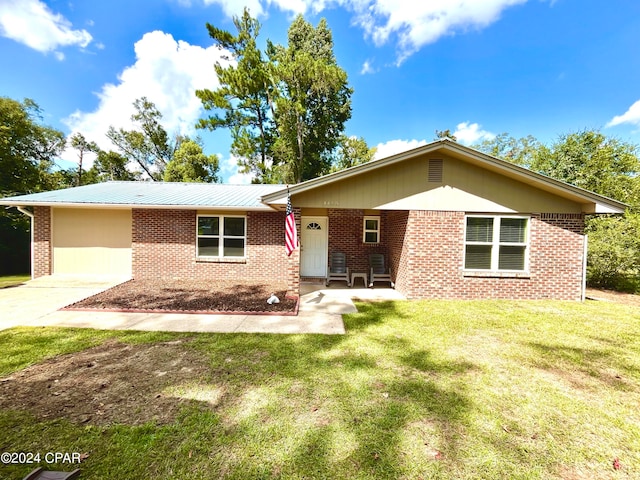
(435, 171)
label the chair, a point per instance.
(338, 269)
(379, 272)
(42, 474)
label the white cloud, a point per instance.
(367, 68)
(230, 174)
(416, 24)
(392, 147)
(234, 8)
(470, 133)
(167, 72)
(631, 116)
(32, 23)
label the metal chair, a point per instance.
(379, 272)
(338, 269)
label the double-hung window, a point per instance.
(221, 236)
(371, 230)
(496, 243)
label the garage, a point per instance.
(91, 241)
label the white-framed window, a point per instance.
(496, 243)
(371, 229)
(220, 236)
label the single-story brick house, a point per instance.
(452, 223)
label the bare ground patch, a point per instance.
(107, 384)
(613, 296)
(187, 295)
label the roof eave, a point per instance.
(22, 203)
(600, 204)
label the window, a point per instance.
(220, 236)
(496, 243)
(371, 230)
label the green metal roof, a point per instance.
(152, 195)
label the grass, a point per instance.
(429, 389)
(13, 280)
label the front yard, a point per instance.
(430, 389)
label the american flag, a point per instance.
(290, 232)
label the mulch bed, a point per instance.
(190, 296)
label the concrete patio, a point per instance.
(37, 303)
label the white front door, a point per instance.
(314, 241)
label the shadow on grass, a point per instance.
(369, 404)
(574, 364)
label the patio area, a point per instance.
(337, 298)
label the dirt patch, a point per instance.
(190, 296)
(111, 383)
(613, 296)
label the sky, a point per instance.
(476, 67)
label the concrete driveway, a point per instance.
(37, 303)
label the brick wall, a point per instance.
(345, 235)
(42, 242)
(428, 258)
(164, 246)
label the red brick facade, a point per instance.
(164, 246)
(42, 249)
(425, 250)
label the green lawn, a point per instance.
(12, 280)
(415, 390)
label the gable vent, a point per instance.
(435, 171)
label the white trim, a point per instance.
(595, 203)
(221, 236)
(305, 220)
(365, 230)
(495, 244)
(133, 205)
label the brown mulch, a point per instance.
(613, 296)
(190, 296)
(107, 384)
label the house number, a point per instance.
(331, 203)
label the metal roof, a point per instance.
(152, 195)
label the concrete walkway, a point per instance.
(37, 304)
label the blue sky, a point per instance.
(477, 67)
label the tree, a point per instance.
(189, 164)
(590, 160)
(286, 109)
(111, 166)
(243, 98)
(82, 146)
(352, 151)
(27, 148)
(520, 151)
(27, 153)
(149, 146)
(313, 100)
(445, 134)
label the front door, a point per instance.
(313, 251)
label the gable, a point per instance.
(410, 185)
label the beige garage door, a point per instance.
(91, 241)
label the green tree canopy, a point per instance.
(352, 151)
(27, 148)
(243, 103)
(190, 164)
(82, 146)
(521, 151)
(149, 146)
(286, 109)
